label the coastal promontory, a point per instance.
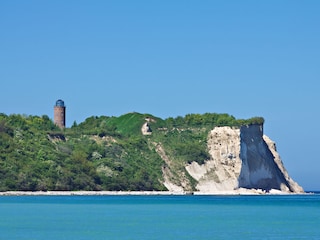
(199, 153)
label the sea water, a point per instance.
(160, 217)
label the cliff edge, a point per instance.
(241, 159)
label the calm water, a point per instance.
(160, 217)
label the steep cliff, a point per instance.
(241, 158)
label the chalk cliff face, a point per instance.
(241, 159)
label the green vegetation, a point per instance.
(102, 153)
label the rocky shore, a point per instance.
(240, 191)
(86, 193)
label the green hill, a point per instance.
(102, 153)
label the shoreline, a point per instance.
(87, 193)
(146, 193)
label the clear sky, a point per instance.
(170, 58)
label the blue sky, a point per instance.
(170, 58)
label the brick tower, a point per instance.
(60, 114)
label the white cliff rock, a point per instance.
(295, 187)
(145, 129)
(222, 171)
(241, 159)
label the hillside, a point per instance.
(133, 152)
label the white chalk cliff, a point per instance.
(241, 159)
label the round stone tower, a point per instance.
(60, 114)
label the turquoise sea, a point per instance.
(160, 217)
